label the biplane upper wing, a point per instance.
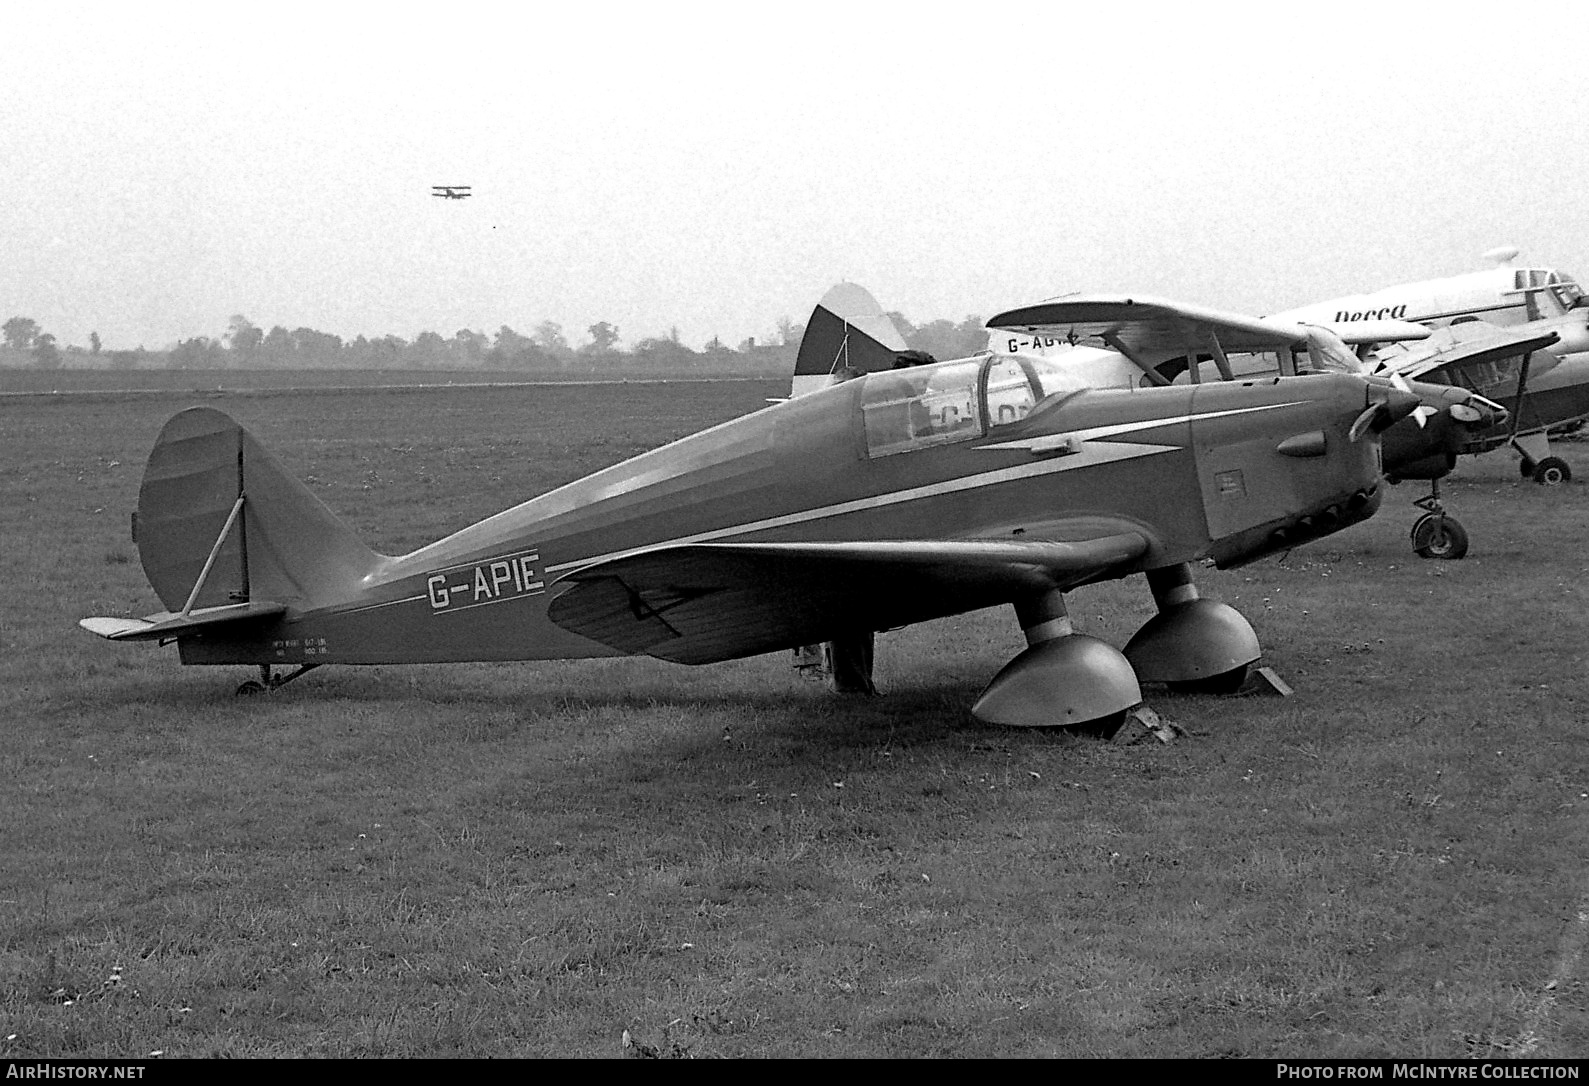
(700, 603)
(1156, 328)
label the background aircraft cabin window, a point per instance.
(1566, 291)
(918, 407)
(1486, 378)
(1011, 391)
(1054, 376)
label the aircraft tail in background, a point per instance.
(848, 334)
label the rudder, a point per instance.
(283, 546)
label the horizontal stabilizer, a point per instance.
(167, 625)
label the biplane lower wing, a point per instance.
(703, 603)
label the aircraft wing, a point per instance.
(1354, 333)
(701, 603)
(1156, 328)
(1465, 345)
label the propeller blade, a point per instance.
(1361, 424)
(1381, 414)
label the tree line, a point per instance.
(246, 345)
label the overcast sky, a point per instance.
(163, 167)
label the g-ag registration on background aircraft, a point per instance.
(891, 499)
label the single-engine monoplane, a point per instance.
(891, 499)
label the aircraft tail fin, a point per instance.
(848, 334)
(220, 522)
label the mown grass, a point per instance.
(532, 859)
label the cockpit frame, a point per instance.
(920, 407)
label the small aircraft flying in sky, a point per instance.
(451, 192)
(890, 499)
(1111, 341)
(1517, 335)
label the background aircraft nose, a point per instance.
(1479, 413)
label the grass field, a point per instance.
(728, 861)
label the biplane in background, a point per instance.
(1517, 335)
(1110, 341)
(451, 192)
(890, 499)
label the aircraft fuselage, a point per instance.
(1226, 471)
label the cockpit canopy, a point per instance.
(921, 406)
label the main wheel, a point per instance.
(1552, 471)
(1525, 468)
(250, 688)
(1439, 537)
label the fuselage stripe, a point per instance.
(1100, 454)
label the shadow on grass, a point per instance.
(623, 693)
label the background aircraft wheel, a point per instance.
(1525, 468)
(250, 688)
(1226, 682)
(1439, 537)
(1552, 471)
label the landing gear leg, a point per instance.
(268, 682)
(849, 661)
(1437, 534)
(1537, 463)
